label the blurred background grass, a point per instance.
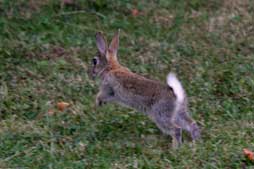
(46, 46)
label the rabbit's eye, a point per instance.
(94, 61)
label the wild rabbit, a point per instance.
(165, 104)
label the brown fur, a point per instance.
(157, 100)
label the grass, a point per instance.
(209, 44)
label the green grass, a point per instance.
(209, 44)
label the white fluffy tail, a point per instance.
(177, 87)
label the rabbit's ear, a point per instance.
(113, 47)
(101, 43)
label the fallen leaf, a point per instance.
(134, 12)
(62, 105)
(249, 154)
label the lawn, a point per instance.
(46, 48)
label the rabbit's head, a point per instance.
(106, 57)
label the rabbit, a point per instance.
(164, 104)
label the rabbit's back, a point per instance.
(137, 91)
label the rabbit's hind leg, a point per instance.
(174, 131)
(187, 123)
(176, 134)
(195, 131)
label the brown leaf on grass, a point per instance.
(134, 12)
(62, 105)
(249, 154)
